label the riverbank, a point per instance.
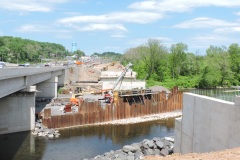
(146, 118)
(157, 146)
(229, 154)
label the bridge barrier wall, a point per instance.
(16, 79)
(207, 124)
(93, 112)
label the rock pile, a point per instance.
(137, 151)
(42, 131)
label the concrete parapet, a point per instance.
(208, 124)
(237, 101)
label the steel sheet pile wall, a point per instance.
(93, 112)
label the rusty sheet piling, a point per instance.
(124, 107)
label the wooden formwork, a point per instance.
(93, 112)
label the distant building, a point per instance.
(74, 46)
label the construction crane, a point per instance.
(122, 75)
(108, 95)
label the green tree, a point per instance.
(234, 51)
(216, 70)
(4, 51)
(17, 50)
(79, 53)
(153, 54)
(178, 58)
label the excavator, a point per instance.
(108, 93)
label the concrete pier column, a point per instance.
(48, 88)
(17, 112)
(61, 80)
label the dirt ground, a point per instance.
(88, 75)
(229, 154)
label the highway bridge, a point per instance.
(19, 86)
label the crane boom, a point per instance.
(122, 75)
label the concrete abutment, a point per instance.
(207, 124)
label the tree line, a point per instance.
(153, 61)
(18, 50)
(175, 66)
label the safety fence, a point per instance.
(94, 112)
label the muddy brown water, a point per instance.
(82, 142)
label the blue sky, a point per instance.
(117, 25)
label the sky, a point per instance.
(117, 25)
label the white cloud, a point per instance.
(31, 28)
(237, 13)
(71, 13)
(141, 41)
(200, 43)
(99, 27)
(64, 36)
(205, 23)
(162, 39)
(118, 36)
(111, 48)
(206, 38)
(56, 29)
(226, 30)
(212, 39)
(39, 28)
(181, 5)
(117, 17)
(30, 5)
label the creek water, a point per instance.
(81, 142)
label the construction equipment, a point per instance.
(108, 93)
(78, 62)
(67, 108)
(74, 99)
(79, 92)
(122, 75)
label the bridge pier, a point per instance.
(18, 93)
(61, 80)
(17, 112)
(48, 88)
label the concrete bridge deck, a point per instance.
(15, 79)
(17, 100)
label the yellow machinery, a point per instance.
(74, 99)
